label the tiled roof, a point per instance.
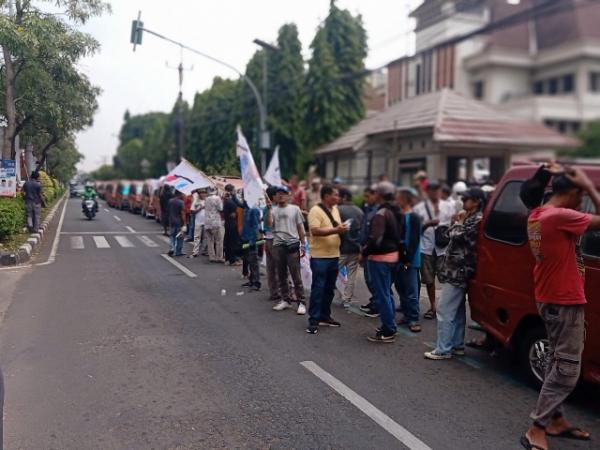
(453, 118)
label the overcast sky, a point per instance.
(141, 82)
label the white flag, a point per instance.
(253, 185)
(187, 178)
(273, 174)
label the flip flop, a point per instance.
(415, 328)
(529, 446)
(569, 433)
(430, 315)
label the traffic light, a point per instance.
(137, 28)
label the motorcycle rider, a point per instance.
(89, 194)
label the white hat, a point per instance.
(459, 187)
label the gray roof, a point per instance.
(452, 118)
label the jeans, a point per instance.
(407, 286)
(369, 286)
(565, 327)
(382, 275)
(324, 274)
(451, 319)
(176, 242)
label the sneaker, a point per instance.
(365, 308)
(312, 329)
(346, 304)
(371, 313)
(378, 330)
(301, 309)
(247, 284)
(437, 356)
(170, 252)
(459, 351)
(282, 305)
(381, 338)
(255, 287)
(329, 323)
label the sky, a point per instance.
(140, 81)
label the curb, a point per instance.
(23, 254)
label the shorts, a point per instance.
(431, 265)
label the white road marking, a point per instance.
(52, 256)
(164, 238)
(124, 242)
(117, 218)
(181, 267)
(383, 420)
(101, 242)
(147, 241)
(77, 243)
(106, 210)
(106, 232)
(130, 229)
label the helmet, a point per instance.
(459, 187)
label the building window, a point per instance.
(594, 81)
(478, 90)
(553, 86)
(538, 87)
(418, 81)
(568, 83)
(507, 221)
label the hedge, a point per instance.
(12, 215)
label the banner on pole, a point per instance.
(273, 174)
(8, 178)
(186, 178)
(253, 185)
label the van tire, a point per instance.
(534, 337)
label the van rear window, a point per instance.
(507, 221)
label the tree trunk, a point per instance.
(9, 104)
(47, 147)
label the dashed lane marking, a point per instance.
(101, 242)
(117, 218)
(106, 210)
(130, 229)
(382, 419)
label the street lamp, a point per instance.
(265, 136)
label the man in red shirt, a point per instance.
(554, 232)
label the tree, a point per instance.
(62, 164)
(590, 136)
(105, 172)
(40, 51)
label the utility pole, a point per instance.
(179, 124)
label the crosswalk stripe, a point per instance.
(101, 242)
(124, 242)
(77, 242)
(147, 241)
(164, 238)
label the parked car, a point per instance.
(156, 202)
(100, 187)
(134, 199)
(110, 193)
(149, 194)
(501, 296)
(122, 195)
(75, 190)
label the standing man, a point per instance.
(555, 230)
(313, 197)
(165, 196)
(177, 221)
(199, 213)
(232, 236)
(249, 238)
(350, 248)
(436, 215)
(274, 294)
(382, 252)
(289, 243)
(214, 226)
(370, 208)
(298, 193)
(324, 223)
(34, 201)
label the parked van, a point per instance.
(134, 199)
(149, 194)
(501, 296)
(122, 194)
(100, 186)
(110, 192)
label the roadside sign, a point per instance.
(8, 178)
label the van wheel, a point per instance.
(534, 355)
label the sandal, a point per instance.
(525, 442)
(429, 315)
(572, 433)
(415, 328)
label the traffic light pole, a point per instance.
(138, 28)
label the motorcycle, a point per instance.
(89, 209)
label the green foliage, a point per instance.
(590, 136)
(12, 215)
(48, 189)
(105, 172)
(63, 160)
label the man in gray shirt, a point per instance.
(289, 242)
(32, 193)
(350, 248)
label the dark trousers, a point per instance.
(369, 287)
(324, 275)
(176, 242)
(407, 286)
(231, 241)
(191, 225)
(382, 276)
(251, 259)
(272, 271)
(285, 261)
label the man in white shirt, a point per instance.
(213, 223)
(198, 204)
(435, 213)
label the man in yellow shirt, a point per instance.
(325, 228)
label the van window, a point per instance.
(590, 244)
(507, 221)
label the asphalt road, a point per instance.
(112, 346)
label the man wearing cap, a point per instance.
(289, 243)
(458, 268)
(313, 197)
(420, 183)
(435, 213)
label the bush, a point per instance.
(12, 215)
(48, 190)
